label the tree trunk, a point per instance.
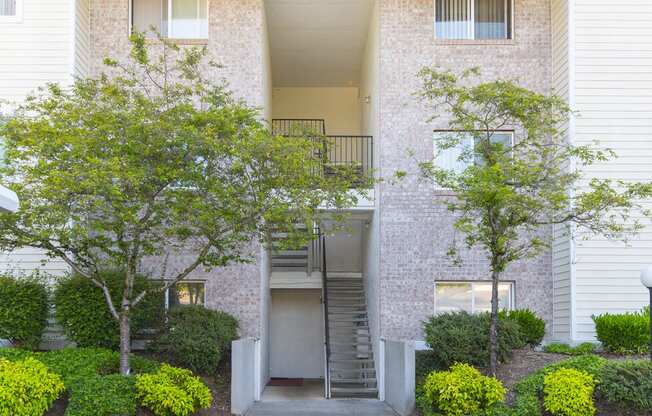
(493, 327)
(125, 342)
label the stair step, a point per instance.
(353, 390)
(289, 256)
(351, 344)
(352, 370)
(354, 380)
(345, 320)
(351, 361)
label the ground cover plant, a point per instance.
(561, 348)
(93, 384)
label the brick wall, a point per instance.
(416, 231)
(236, 42)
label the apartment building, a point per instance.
(348, 70)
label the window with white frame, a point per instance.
(174, 19)
(10, 10)
(186, 293)
(472, 297)
(457, 158)
(473, 19)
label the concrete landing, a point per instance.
(333, 407)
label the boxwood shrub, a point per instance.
(627, 333)
(533, 328)
(27, 387)
(461, 391)
(196, 338)
(172, 391)
(23, 310)
(569, 392)
(82, 311)
(463, 337)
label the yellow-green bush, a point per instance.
(459, 392)
(172, 392)
(27, 388)
(569, 392)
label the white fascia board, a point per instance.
(8, 200)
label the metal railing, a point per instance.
(298, 126)
(336, 153)
(327, 348)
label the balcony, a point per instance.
(354, 153)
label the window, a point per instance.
(457, 158)
(473, 19)
(176, 19)
(185, 293)
(10, 10)
(472, 297)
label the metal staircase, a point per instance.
(351, 361)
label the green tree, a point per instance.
(151, 157)
(509, 196)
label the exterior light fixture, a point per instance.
(646, 279)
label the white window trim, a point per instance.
(168, 19)
(167, 292)
(18, 17)
(473, 283)
(472, 28)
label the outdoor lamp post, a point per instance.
(646, 279)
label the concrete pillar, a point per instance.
(399, 377)
(245, 375)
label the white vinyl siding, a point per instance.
(613, 93)
(34, 50)
(561, 245)
(82, 37)
(37, 49)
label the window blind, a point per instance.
(473, 19)
(7, 7)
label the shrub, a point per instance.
(530, 388)
(196, 337)
(460, 391)
(23, 311)
(111, 395)
(533, 328)
(425, 363)
(82, 311)
(627, 383)
(463, 337)
(624, 333)
(560, 348)
(569, 392)
(27, 388)
(172, 391)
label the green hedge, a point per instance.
(23, 310)
(627, 333)
(569, 392)
(463, 337)
(110, 395)
(82, 311)
(196, 337)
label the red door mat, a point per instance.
(286, 382)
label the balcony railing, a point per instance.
(355, 154)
